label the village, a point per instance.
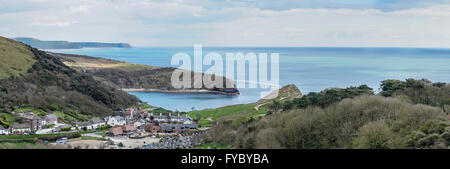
(135, 128)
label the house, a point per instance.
(177, 128)
(4, 131)
(21, 128)
(128, 129)
(116, 120)
(139, 123)
(181, 119)
(155, 129)
(34, 120)
(97, 122)
(115, 131)
(174, 119)
(131, 113)
(161, 118)
(36, 123)
(50, 119)
(143, 114)
(84, 125)
(91, 124)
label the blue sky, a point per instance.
(376, 23)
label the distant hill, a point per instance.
(68, 45)
(134, 77)
(31, 78)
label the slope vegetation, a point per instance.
(15, 58)
(49, 85)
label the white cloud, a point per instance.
(176, 23)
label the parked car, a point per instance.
(61, 141)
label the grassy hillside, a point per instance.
(48, 86)
(234, 113)
(15, 58)
(87, 63)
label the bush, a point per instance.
(434, 127)
(106, 127)
(53, 107)
(328, 97)
(374, 135)
(76, 135)
(66, 129)
(361, 122)
(48, 126)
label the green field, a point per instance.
(233, 113)
(33, 136)
(91, 138)
(212, 146)
(24, 145)
(6, 118)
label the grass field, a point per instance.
(8, 117)
(212, 146)
(234, 113)
(33, 136)
(91, 63)
(25, 145)
(91, 138)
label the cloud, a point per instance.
(231, 23)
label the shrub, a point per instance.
(374, 135)
(76, 135)
(53, 107)
(434, 127)
(66, 129)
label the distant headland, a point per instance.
(68, 45)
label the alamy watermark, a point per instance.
(234, 63)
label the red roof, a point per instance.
(116, 130)
(127, 128)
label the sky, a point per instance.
(294, 23)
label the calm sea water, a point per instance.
(311, 69)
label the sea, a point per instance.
(312, 69)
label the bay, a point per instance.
(312, 69)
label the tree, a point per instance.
(434, 127)
(275, 106)
(388, 87)
(374, 135)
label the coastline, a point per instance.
(190, 91)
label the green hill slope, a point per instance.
(15, 58)
(45, 83)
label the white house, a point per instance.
(21, 128)
(50, 119)
(91, 124)
(170, 118)
(97, 122)
(116, 120)
(139, 123)
(4, 131)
